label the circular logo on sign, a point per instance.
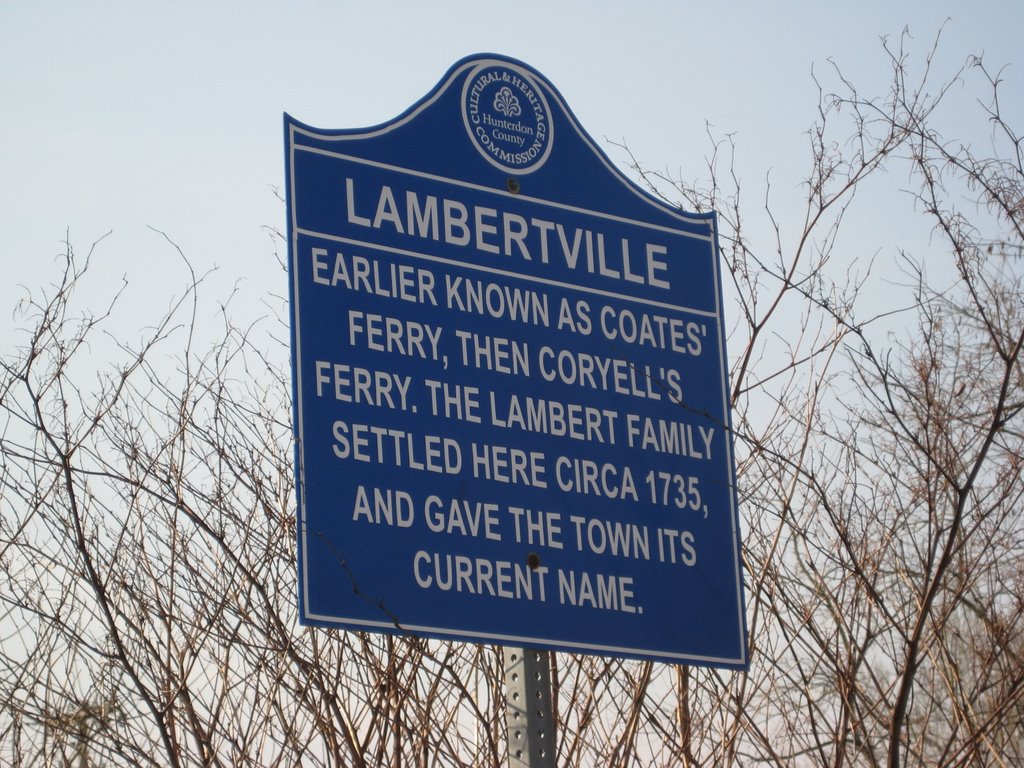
(507, 117)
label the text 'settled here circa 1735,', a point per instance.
(510, 378)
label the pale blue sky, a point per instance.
(125, 115)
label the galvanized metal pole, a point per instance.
(528, 714)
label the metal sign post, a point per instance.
(529, 715)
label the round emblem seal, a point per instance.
(507, 117)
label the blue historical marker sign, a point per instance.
(511, 400)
